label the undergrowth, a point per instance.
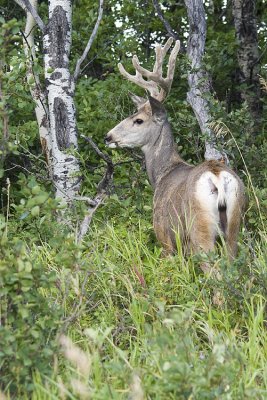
(111, 318)
(139, 326)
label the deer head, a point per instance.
(143, 127)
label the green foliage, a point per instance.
(146, 324)
(29, 321)
(18, 127)
(153, 318)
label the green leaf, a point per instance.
(35, 211)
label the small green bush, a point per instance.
(28, 320)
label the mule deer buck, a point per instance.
(200, 203)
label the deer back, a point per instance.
(177, 204)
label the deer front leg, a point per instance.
(203, 237)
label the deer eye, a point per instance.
(138, 121)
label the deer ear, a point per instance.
(137, 100)
(157, 108)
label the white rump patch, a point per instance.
(212, 191)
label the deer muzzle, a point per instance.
(109, 142)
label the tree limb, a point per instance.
(101, 189)
(102, 155)
(26, 5)
(36, 91)
(167, 25)
(90, 41)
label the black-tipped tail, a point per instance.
(223, 217)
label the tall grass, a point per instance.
(149, 330)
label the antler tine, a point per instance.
(165, 83)
(153, 87)
(160, 54)
(167, 46)
(172, 62)
(138, 79)
(155, 79)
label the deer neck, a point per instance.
(161, 156)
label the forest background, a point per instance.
(106, 316)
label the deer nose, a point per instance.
(107, 139)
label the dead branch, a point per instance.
(88, 217)
(37, 93)
(167, 24)
(102, 189)
(105, 181)
(90, 41)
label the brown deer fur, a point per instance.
(199, 203)
(181, 205)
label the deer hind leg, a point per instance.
(202, 236)
(232, 231)
(163, 234)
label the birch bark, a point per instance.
(198, 78)
(60, 91)
(55, 109)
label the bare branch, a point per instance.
(4, 113)
(102, 155)
(90, 41)
(167, 24)
(35, 87)
(105, 181)
(101, 189)
(80, 305)
(21, 4)
(88, 217)
(37, 93)
(86, 199)
(27, 6)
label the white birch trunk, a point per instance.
(60, 89)
(55, 110)
(198, 79)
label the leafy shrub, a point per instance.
(28, 320)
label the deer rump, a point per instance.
(199, 204)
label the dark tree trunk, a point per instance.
(244, 14)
